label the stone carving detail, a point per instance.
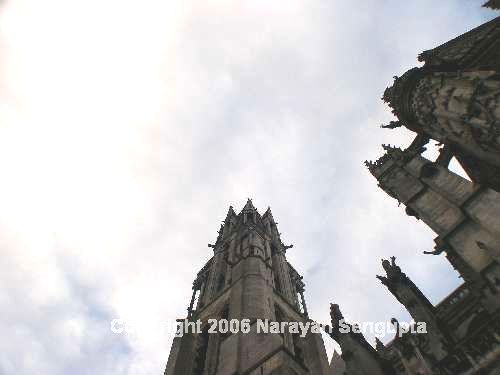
(460, 107)
(455, 99)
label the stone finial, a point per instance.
(249, 206)
(230, 213)
(268, 212)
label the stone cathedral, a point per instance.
(453, 98)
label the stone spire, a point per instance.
(249, 206)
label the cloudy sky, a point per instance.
(127, 128)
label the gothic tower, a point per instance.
(248, 277)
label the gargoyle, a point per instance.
(392, 125)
